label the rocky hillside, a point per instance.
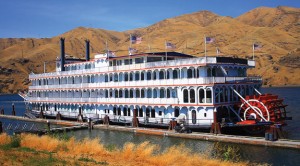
(277, 30)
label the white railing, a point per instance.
(145, 101)
(189, 61)
(151, 83)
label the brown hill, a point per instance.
(276, 29)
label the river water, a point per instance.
(252, 153)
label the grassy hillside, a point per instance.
(276, 29)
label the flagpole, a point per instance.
(205, 45)
(252, 51)
(166, 50)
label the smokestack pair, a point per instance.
(62, 52)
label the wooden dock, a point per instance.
(63, 125)
(259, 141)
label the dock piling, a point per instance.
(1, 130)
(13, 110)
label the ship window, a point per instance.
(120, 93)
(155, 93)
(115, 77)
(209, 72)
(168, 74)
(143, 93)
(106, 93)
(201, 96)
(114, 62)
(119, 62)
(192, 96)
(110, 93)
(137, 93)
(119, 111)
(110, 77)
(115, 111)
(208, 96)
(140, 112)
(147, 112)
(154, 75)
(162, 93)
(152, 113)
(217, 93)
(128, 61)
(149, 93)
(131, 93)
(160, 113)
(131, 76)
(161, 74)
(168, 93)
(185, 96)
(137, 76)
(213, 72)
(139, 60)
(175, 74)
(176, 112)
(126, 93)
(142, 76)
(190, 73)
(149, 75)
(128, 111)
(116, 94)
(126, 76)
(174, 93)
(125, 111)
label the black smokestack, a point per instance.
(62, 53)
(87, 45)
(87, 54)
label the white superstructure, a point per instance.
(180, 87)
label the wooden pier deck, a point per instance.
(259, 141)
(63, 125)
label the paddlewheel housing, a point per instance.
(263, 108)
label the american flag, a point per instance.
(170, 45)
(132, 50)
(132, 39)
(135, 40)
(256, 46)
(209, 40)
(138, 40)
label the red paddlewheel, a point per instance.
(266, 107)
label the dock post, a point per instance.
(48, 125)
(2, 111)
(1, 130)
(90, 123)
(106, 120)
(80, 116)
(58, 116)
(135, 120)
(13, 110)
(215, 126)
(172, 124)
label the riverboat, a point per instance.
(155, 88)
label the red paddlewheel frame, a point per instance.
(265, 107)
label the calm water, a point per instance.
(274, 156)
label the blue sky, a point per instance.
(41, 18)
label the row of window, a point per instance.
(112, 93)
(140, 76)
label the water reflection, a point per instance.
(252, 153)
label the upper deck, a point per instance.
(139, 62)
